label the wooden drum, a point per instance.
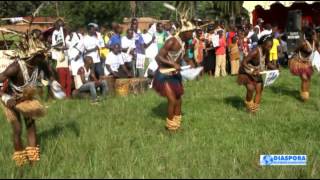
(122, 87)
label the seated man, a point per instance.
(86, 81)
(115, 65)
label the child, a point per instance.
(234, 56)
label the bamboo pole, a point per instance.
(5, 42)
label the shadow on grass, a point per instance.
(58, 130)
(286, 91)
(160, 111)
(235, 101)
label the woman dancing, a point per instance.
(300, 63)
(249, 72)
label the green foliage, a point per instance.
(17, 8)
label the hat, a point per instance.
(186, 26)
(93, 24)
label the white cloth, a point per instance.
(215, 40)
(152, 50)
(153, 66)
(316, 60)
(114, 61)
(140, 61)
(250, 34)
(264, 32)
(91, 42)
(271, 77)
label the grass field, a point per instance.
(126, 138)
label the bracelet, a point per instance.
(5, 98)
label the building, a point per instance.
(21, 24)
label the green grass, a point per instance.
(126, 138)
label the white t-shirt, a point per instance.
(127, 43)
(55, 39)
(152, 50)
(75, 46)
(101, 41)
(114, 61)
(91, 42)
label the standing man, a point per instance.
(91, 46)
(18, 99)
(169, 84)
(59, 53)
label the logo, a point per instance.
(268, 160)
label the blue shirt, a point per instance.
(115, 39)
(139, 44)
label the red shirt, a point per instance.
(221, 50)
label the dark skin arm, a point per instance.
(94, 78)
(126, 70)
(81, 73)
(11, 71)
(162, 56)
(110, 70)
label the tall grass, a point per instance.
(125, 137)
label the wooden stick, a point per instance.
(5, 42)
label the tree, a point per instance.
(17, 8)
(228, 7)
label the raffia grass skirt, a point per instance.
(28, 108)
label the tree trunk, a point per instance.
(133, 7)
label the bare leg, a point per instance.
(19, 156)
(171, 101)
(305, 86)
(172, 123)
(32, 150)
(17, 131)
(31, 130)
(177, 110)
(259, 90)
(250, 92)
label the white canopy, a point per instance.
(250, 5)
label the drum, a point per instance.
(138, 85)
(122, 87)
(135, 85)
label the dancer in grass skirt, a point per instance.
(169, 84)
(249, 72)
(300, 63)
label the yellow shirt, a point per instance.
(275, 45)
(105, 51)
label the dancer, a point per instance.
(170, 85)
(18, 98)
(300, 63)
(249, 72)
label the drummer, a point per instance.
(115, 64)
(170, 85)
